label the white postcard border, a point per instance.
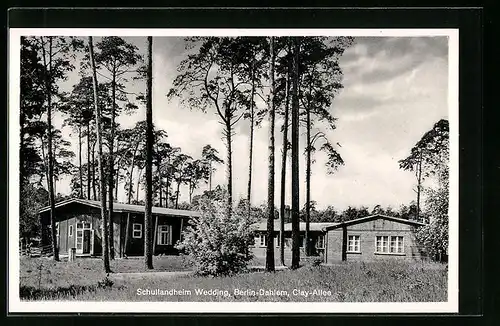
(15, 305)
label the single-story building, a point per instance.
(78, 225)
(367, 238)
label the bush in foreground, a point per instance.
(218, 244)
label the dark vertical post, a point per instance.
(344, 243)
(270, 180)
(295, 157)
(148, 255)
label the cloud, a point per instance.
(395, 89)
(378, 59)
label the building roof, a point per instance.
(374, 217)
(124, 208)
(314, 226)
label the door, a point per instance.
(86, 241)
(83, 237)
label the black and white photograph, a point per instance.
(174, 170)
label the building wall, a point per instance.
(68, 216)
(367, 232)
(73, 213)
(260, 252)
(136, 245)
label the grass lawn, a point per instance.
(45, 273)
(382, 281)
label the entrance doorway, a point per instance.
(84, 238)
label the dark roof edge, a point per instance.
(373, 217)
(91, 204)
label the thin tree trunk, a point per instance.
(80, 172)
(148, 217)
(270, 184)
(283, 173)
(131, 180)
(210, 177)
(138, 185)
(250, 154)
(117, 182)
(48, 82)
(167, 186)
(308, 180)
(111, 165)
(419, 185)
(93, 171)
(88, 161)
(105, 249)
(295, 158)
(229, 166)
(160, 180)
(177, 195)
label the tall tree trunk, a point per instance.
(111, 164)
(148, 217)
(105, 249)
(117, 182)
(167, 186)
(283, 172)
(419, 185)
(160, 180)
(270, 183)
(229, 165)
(308, 180)
(250, 154)
(131, 177)
(80, 172)
(138, 185)
(177, 194)
(93, 172)
(50, 160)
(210, 177)
(191, 190)
(88, 163)
(295, 158)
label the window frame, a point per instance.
(386, 247)
(398, 249)
(356, 238)
(321, 236)
(262, 240)
(159, 237)
(134, 231)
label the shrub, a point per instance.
(217, 243)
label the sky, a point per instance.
(395, 89)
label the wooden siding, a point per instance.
(367, 232)
(72, 213)
(260, 252)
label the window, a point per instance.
(277, 237)
(136, 230)
(353, 242)
(389, 244)
(320, 242)
(396, 245)
(70, 231)
(164, 235)
(260, 240)
(301, 241)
